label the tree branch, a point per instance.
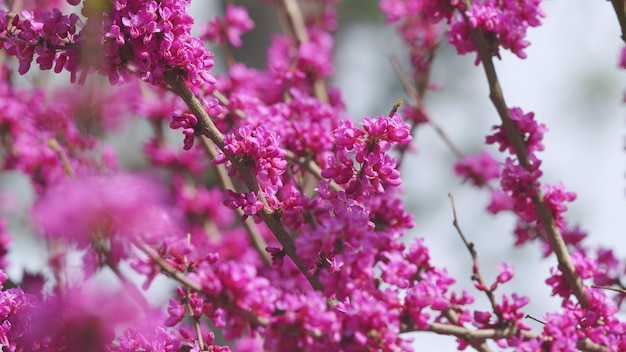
(207, 128)
(481, 334)
(543, 213)
(254, 236)
(477, 275)
(620, 10)
(184, 280)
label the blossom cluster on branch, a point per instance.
(277, 218)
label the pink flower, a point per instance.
(260, 146)
(479, 169)
(96, 209)
(506, 273)
(531, 131)
(500, 201)
(236, 22)
(83, 320)
(505, 22)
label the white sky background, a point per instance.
(572, 83)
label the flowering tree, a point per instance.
(277, 218)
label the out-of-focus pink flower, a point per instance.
(91, 209)
(84, 319)
(479, 169)
(236, 22)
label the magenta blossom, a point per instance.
(479, 169)
(93, 209)
(236, 22)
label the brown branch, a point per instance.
(207, 128)
(588, 345)
(40, 41)
(608, 288)
(452, 317)
(254, 236)
(291, 14)
(543, 212)
(67, 165)
(477, 275)
(196, 320)
(295, 20)
(168, 269)
(620, 10)
(504, 333)
(481, 334)
(184, 280)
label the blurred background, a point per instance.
(570, 80)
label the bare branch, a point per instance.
(477, 275)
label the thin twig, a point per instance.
(528, 316)
(67, 166)
(477, 275)
(168, 269)
(41, 41)
(543, 212)
(207, 128)
(504, 333)
(608, 288)
(196, 320)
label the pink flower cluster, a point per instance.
(503, 23)
(417, 25)
(479, 169)
(120, 210)
(324, 265)
(142, 37)
(188, 122)
(42, 33)
(153, 37)
(260, 147)
(236, 22)
(369, 146)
